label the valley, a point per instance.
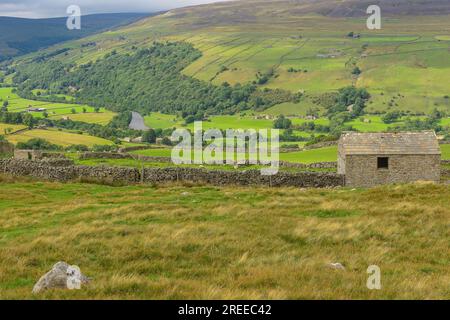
(86, 175)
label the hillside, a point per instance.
(203, 242)
(20, 36)
(297, 46)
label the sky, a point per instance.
(58, 8)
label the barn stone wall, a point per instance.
(362, 171)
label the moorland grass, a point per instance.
(203, 242)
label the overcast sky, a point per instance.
(57, 8)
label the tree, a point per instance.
(149, 136)
(436, 114)
(166, 141)
(356, 71)
(84, 110)
(45, 114)
(282, 123)
(37, 144)
(390, 117)
(29, 121)
(73, 111)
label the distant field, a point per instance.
(55, 110)
(13, 127)
(61, 138)
(144, 242)
(161, 121)
(103, 117)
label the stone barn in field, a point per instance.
(370, 159)
(6, 148)
(27, 154)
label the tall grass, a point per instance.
(201, 242)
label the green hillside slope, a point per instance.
(20, 36)
(302, 46)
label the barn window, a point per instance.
(383, 163)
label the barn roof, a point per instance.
(385, 143)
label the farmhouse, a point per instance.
(370, 159)
(36, 109)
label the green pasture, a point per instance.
(157, 120)
(6, 128)
(55, 110)
(61, 138)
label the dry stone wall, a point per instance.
(124, 175)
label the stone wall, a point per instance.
(322, 144)
(134, 148)
(315, 165)
(124, 175)
(244, 178)
(104, 155)
(362, 170)
(54, 171)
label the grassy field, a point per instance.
(61, 138)
(55, 110)
(10, 128)
(198, 242)
(101, 118)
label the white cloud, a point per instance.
(57, 8)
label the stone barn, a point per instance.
(370, 159)
(27, 154)
(6, 148)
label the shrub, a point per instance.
(149, 136)
(38, 144)
(104, 148)
(166, 141)
(78, 147)
(282, 123)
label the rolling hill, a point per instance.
(297, 46)
(19, 36)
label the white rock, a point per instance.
(336, 265)
(63, 276)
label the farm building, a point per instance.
(6, 148)
(27, 154)
(370, 159)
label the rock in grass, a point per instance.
(62, 276)
(336, 266)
